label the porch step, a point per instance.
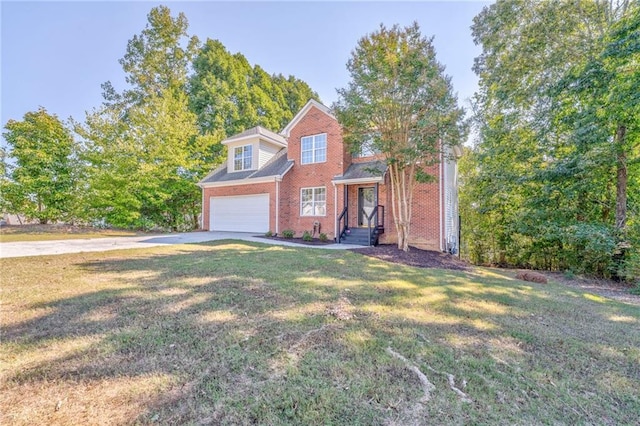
(358, 236)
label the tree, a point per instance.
(603, 94)
(149, 145)
(156, 60)
(401, 102)
(556, 99)
(143, 147)
(40, 183)
(229, 95)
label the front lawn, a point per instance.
(242, 333)
(14, 233)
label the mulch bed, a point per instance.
(414, 257)
(314, 242)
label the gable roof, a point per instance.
(259, 131)
(312, 103)
(276, 167)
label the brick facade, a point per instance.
(224, 191)
(425, 217)
(313, 175)
(426, 221)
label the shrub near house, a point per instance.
(304, 178)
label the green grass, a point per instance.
(16, 233)
(242, 333)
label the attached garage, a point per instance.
(245, 213)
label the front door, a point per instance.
(366, 204)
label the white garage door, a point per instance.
(246, 213)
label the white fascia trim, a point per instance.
(250, 181)
(312, 103)
(285, 172)
(255, 138)
(357, 181)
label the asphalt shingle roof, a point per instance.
(371, 169)
(258, 130)
(277, 166)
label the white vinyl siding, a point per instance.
(451, 205)
(266, 153)
(245, 213)
(313, 149)
(313, 201)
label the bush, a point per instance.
(306, 236)
(288, 233)
(268, 234)
(323, 237)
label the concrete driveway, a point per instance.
(40, 248)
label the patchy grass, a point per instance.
(14, 233)
(243, 333)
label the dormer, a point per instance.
(252, 149)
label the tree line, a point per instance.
(134, 160)
(553, 181)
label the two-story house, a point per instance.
(305, 179)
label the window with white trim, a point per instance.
(367, 148)
(242, 158)
(314, 149)
(313, 201)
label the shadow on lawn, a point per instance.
(248, 335)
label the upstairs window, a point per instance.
(313, 202)
(367, 149)
(314, 149)
(242, 156)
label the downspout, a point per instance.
(440, 195)
(277, 205)
(377, 203)
(202, 211)
(335, 211)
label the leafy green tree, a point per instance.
(112, 166)
(229, 95)
(400, 101)
(40, 181)
(555, 90)
(156, 60)
(148, 145)
(143, 146)
(602, 98)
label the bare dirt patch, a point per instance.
(414, 257)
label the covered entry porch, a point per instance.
(364, 197)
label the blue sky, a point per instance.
(57, 54)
